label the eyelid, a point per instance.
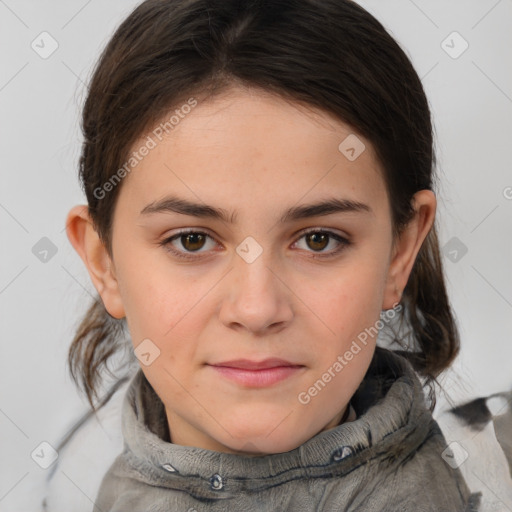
(320, 229)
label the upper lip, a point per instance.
(247, 364)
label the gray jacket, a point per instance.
(393, 457)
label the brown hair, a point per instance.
(330, 54)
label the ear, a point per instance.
(407, 246)
(87, 244)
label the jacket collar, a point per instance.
(391, 417)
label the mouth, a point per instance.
(257, 373)
(247, 364)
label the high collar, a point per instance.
(391, 417)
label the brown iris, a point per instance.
(193, 241)
(319, 240)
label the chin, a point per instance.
(259, 444)
(260, 448)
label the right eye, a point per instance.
(192, 241)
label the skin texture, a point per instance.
(254, 153)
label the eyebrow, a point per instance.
(173, 204)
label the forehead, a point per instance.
(248, 146)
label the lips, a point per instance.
(257, 374)
(247, 364)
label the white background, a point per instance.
(40, 100)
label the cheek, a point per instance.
(150, 305)
(346, 300)
(346, 310)
(162, 303)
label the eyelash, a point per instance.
(344, 243)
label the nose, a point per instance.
(256, 296)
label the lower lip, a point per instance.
(258, 378)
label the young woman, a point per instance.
(260, 204)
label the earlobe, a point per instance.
(90, 248)
(408, 246)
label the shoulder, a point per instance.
(479, 438)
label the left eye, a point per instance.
(319, 240)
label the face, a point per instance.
(260, 273)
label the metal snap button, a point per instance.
(341, 453)
(216, 482)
